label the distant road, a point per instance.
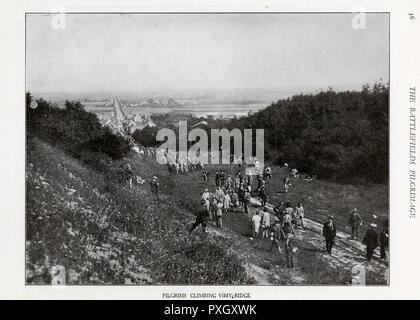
(118, 111)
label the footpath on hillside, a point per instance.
(268, 267)
(313, 265)
(347, 254)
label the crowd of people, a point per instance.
(371, 238)
(231, 194)
(182, 167)
(234, 193)
(145, 151)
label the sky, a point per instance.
(114, 52)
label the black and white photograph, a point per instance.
(207, 148)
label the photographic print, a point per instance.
(207, 148)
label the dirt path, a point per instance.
(346, 253)
(269, 268)
(265, 266)
(314, 266)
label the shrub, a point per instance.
(76, 131)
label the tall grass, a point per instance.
(117, 237)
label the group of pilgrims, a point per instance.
(234, 193)
(183, 167)
(179, 163)
(145, 151)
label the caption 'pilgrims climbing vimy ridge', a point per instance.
(207, 149)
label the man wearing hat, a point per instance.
(355, 221)
(276, 235)
(205, 199)
(279, 211)
(222, 178)
(264, 196)
(371, 241)
(384, 240)
(286, 183)
(219, 214)
(246, 200)
(220, 194)
(217, 178)
(229, 182)
(265, 223)
(202, 217)
(329, 232)
(256, 226)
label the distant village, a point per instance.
(122, 122)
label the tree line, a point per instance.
(342, 136)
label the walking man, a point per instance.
(329, 233)
(300, 215)
(384, 240)
(229, 182)
(247, 200)
(256, 226)
(355, 221)
(241, 195)
(202, 218)
(290, 253)
(287, 223)
(128, 175)
(267, 173)
(226, 202)
(205, 198)
(286, 182)
(289, 210)
(220, 194)
(279, 211)
(155, 187)
(371, 241)
(235, 200)
(217, 177)
(213, 207)
(276, 235)
(206, 176)
(222, 178)
(219, 213)
(263, 196)
(265, 223)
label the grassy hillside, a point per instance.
(117, 237)
(80, 214)
(320, 199)
(125, 236)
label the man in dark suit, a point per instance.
(384, 240)
(203, 217)
(329, 232)
(371, 241)
(355, 221)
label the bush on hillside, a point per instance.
(75, 130)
